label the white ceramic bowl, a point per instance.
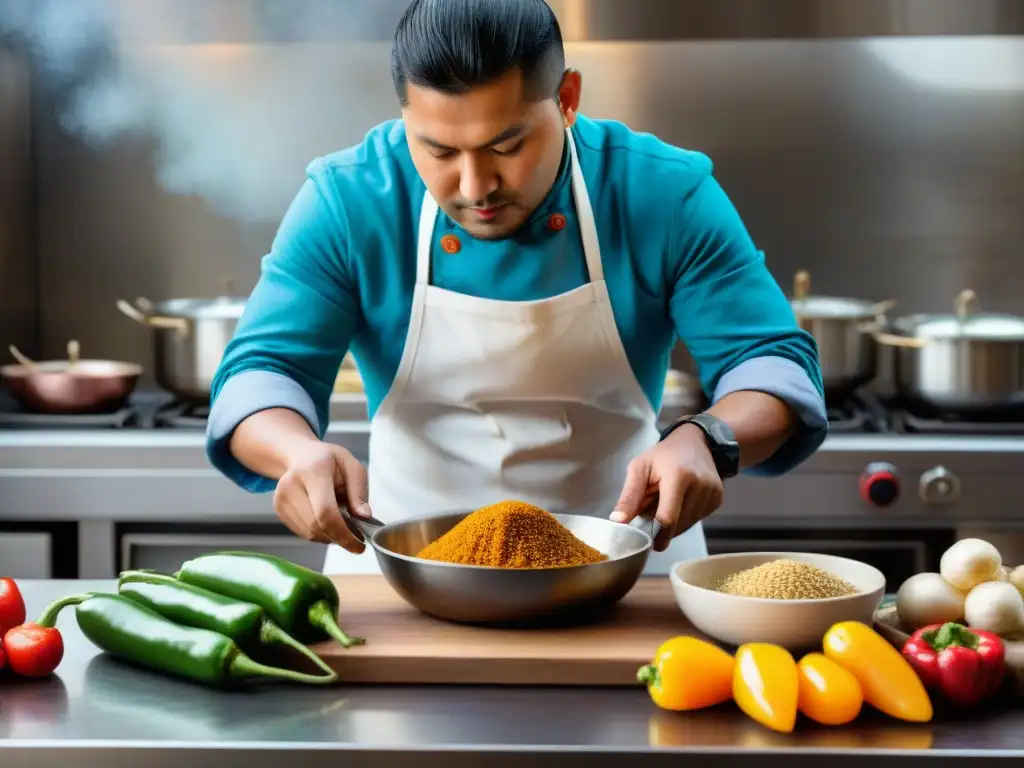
(793, 624)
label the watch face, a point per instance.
(724, 448)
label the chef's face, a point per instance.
(489, 156)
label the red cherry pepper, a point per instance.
(12, 605)
(35, 649)
(966, 666)
(3, 657)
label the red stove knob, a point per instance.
(880, 484)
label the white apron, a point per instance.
(495, 400)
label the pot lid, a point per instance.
(831, 306)
(988, 326)
(220, 308)
(965, 323)
(834, 306)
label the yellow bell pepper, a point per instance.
(888, 681)
(828, 693)
(766, 685)
(687, 673)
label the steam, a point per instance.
(237, 96)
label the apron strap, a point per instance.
(585, 214)
(428, 215)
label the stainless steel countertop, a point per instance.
(99, 712)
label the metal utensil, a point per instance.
(189, 339)
(475, 594)
(844, 329)
(72, 386)
(967, 362)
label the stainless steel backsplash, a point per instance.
(889, 167)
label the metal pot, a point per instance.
(189, 339)
(72, 386)
(967, 362)
(844, 329)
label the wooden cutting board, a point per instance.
(406, 646)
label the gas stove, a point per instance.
(891, 485)
(146, 410)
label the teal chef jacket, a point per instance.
(677, 260)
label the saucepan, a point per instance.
(472, 594)
(189, 339)
(72, 386)
(968, 362)
(845, 330)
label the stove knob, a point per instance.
(939, 486)
(880, 484)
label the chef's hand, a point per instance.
(307, 494)
(679, 475)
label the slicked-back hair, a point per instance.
(453, 46)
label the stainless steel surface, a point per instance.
(964, 362)
(843, 329)
(788, 19)
(250, 21)
(19, 278)
(483, 595)
(165, 552)
(25, 555)
(71, 386)
(99, 713)
(189, 339)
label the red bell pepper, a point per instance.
(965, 666)
(12, 605)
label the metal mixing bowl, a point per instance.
(475, 594)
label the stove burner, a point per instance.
(934, 424)
(20, 419)
(858, 413)
(182, 416)
(14, 416)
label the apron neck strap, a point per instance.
(428, 215)
(584, 213)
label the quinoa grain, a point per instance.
(784, 580)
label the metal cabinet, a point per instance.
(165, 552)
(26, 555)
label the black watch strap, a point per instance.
(724, 449)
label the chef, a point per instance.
(510, 276)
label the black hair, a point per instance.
(455, 45)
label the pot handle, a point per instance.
(965, 303)
(801, 284)
(893, 340)
(362, 527)
(152, 321)
(882, 307)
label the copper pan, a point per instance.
(72, 386)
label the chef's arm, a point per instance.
(272, 391)
(759, 367)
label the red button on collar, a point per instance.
(557, 222)
(451, 244)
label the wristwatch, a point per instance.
(724, 449)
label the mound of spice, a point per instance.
(785, 580)
(511, 534)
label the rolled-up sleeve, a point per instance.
(739, 326)
(296, 328)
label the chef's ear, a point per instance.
(569, 93)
